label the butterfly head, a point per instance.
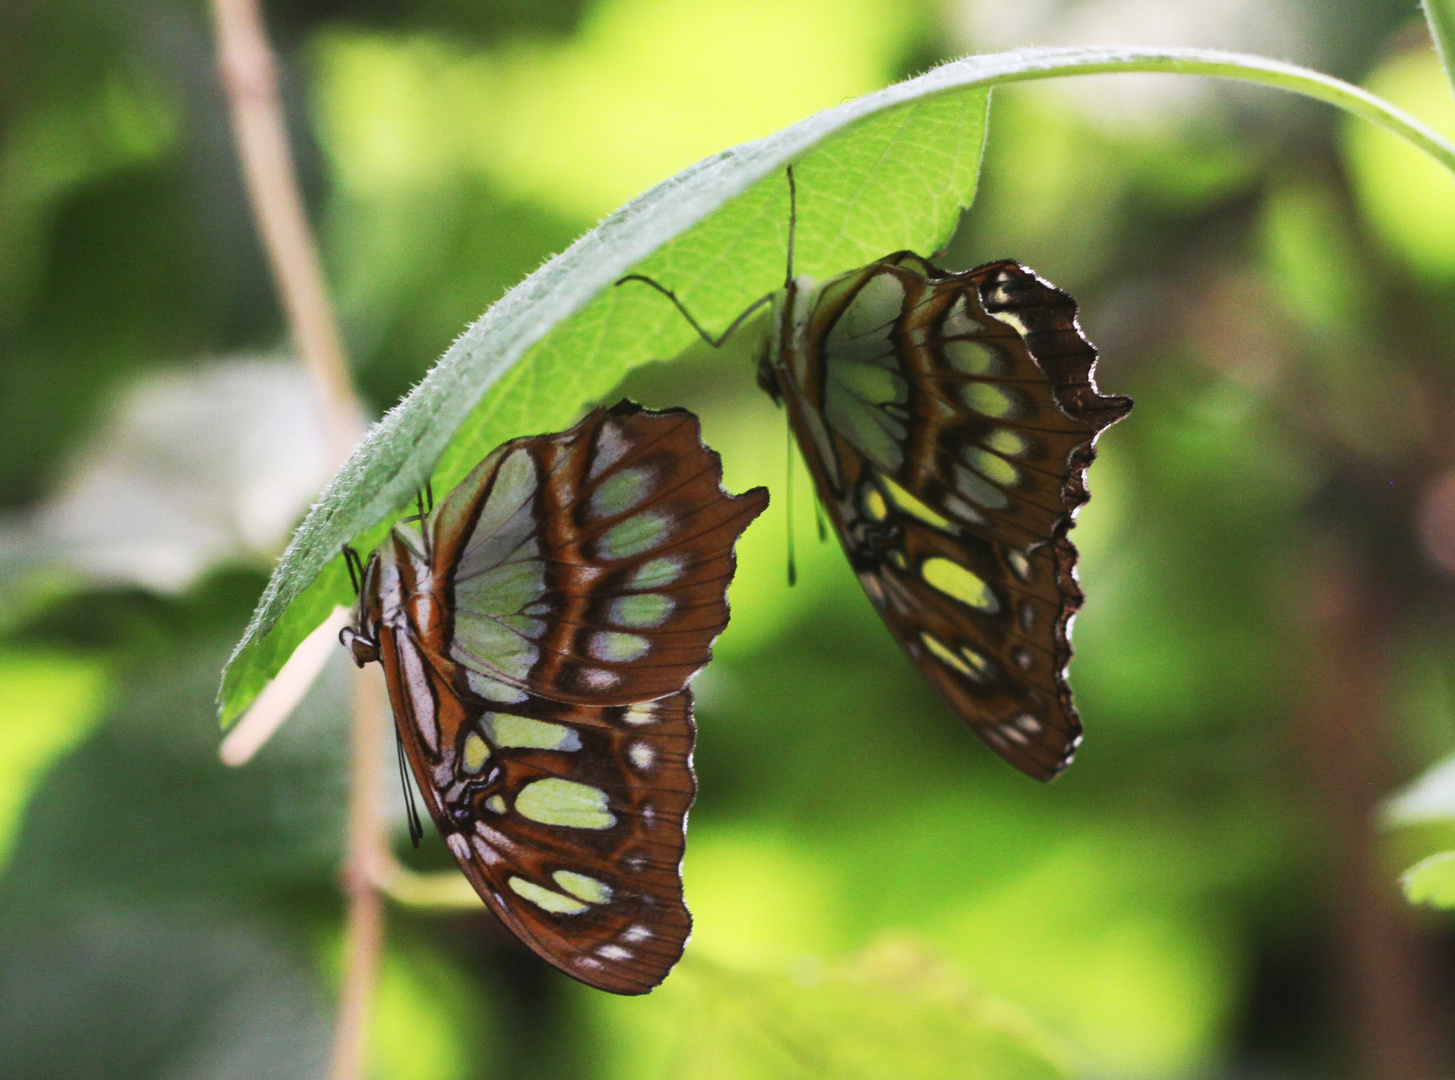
(361, 636)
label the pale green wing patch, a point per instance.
(865, 397)
(565, 804)
(500, 578)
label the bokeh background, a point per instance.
(1264, 657)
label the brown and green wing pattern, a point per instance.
(537, 631)
(570, 821)
(949, 420)
(591, 566)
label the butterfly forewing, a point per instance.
(567, 816)
(592, 565)
(948, 420)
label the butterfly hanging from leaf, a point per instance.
(948, 420)
(537, 630)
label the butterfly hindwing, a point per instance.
(591, 566)
(948, 420)
(569, 820)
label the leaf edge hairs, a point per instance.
(928, 405)
(538, 629)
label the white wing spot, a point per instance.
(639, 715)
(635, 933)
(1010, 318)
(642, 755)
(613, 952)
(488, 855)
(1020, 564)
(1023, 658)
(958, 321)
(611, 447)
(1027, 723)
(1028, 615)
(599, 678)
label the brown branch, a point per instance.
(365, 864)
(1382, 975)
(250, 79)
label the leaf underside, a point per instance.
(887, 171)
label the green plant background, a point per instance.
(874, 893)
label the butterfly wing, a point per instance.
(948, 420)
(592, 566)
(568, 820)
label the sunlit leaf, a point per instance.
(1408, 199)
(48, 704)
(895, 1011)
(1431, 881)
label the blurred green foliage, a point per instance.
(874, 893)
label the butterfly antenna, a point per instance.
(350, 557)
(788, 510)
(428, 497)
(423, 528)
(715, 342)
(792, 224)
(411, 812)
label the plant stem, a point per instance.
(1440, 15)
(250, 78)
(364, 866)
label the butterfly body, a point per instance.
(948, 420)
(537, 632)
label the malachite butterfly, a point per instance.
(538, 629)
(948, 420)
